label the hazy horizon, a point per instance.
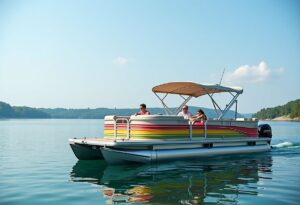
(77, 54)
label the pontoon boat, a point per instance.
(154, 138)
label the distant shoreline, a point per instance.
(51, 119)
(271, 120)
(22, 112)
(284, 118)
(2, 119)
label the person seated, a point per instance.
(185, 112)
(200, 117)
(143, 110)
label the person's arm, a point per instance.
(201, 117)
(193, 119)
(194, 116)
(198, 117)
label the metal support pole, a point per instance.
(215, 109)
(214, 103)
(115, 130)
(228, 106)
(236, 108)
(116, 127)
(191, 130)
(128, 129)
(167, 109)
(184, 102)
(205, 129)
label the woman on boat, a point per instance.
(200, 117)
(143, 110)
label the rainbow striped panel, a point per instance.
(171, 131)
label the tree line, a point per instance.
(8, 111)
(291, 109)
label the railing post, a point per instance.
(191, 129)
(128, 129)
(205, 129)
(116, 119)
(115, 129)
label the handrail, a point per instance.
(205, 129)
(116, 127)
(191, 129)
(117, 119)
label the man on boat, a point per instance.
(143, 110)
(185, 112)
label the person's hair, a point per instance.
(143, 105)
(185, 106)
(201, 111)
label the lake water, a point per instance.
(37, 166)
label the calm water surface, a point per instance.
(37, 166)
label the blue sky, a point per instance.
(79, 54)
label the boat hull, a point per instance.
(149, 151)
(113, 156)
(86, 152)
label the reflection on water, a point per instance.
(216, 180)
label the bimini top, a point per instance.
(193, 89)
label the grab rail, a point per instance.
(116, 127)
(127, 120)
(205, 129)
(191, 129)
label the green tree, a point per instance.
(291, 109)
(6, 111)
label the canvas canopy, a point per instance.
(193, 89)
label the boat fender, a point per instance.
(264, 130)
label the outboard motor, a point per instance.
(264, 130)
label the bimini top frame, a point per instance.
(187, 90)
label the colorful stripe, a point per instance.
(149, 131)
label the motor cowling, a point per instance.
(264, 130)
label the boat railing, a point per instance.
(205, 129)
(121, 119)
(118, 119)
(191, 129)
